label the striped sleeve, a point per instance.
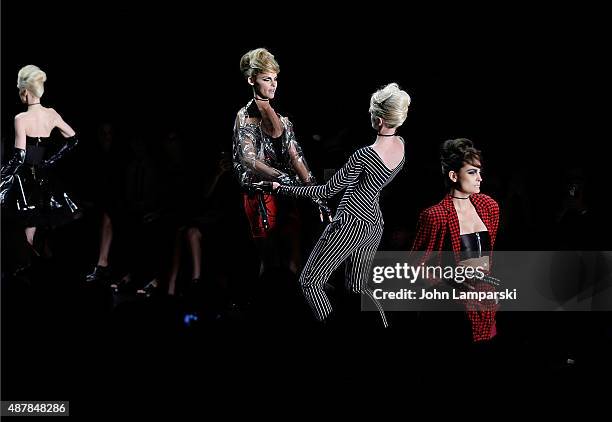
(339, 181)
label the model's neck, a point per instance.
(461, 200)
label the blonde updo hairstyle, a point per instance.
(30, 78)
(258, 61)
(391, 104)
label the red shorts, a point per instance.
(251, 207)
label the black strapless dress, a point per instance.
(35, 198)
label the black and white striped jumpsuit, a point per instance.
(355, 232)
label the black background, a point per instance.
(525, 84)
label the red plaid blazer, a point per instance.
(437, 226)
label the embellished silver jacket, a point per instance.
(258, 157)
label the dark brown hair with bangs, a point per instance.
(455, 153)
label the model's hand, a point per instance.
(68, 146)
(324, 210)
(265, 186)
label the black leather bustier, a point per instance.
(475, 245)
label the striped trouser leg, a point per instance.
(359, 263)
(337, 242)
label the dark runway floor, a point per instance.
(65, 340)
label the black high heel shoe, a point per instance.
(99, 273)
(151, 288)
(124, 285)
